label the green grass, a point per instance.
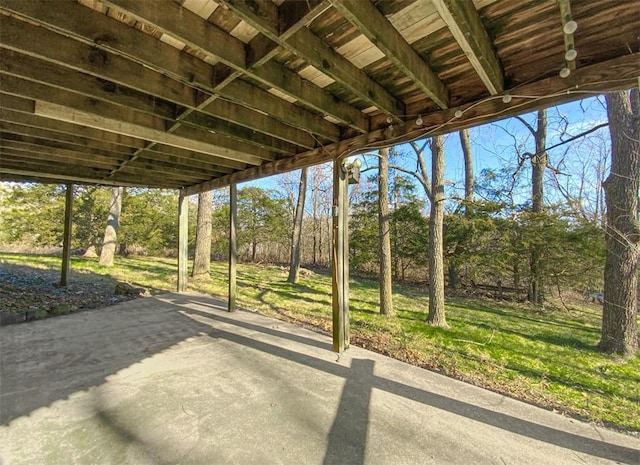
(548, 359)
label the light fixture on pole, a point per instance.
(352, 168)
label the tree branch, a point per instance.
(527, 125)
(423, 182)
(582, 134)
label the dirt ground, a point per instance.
(28, 293)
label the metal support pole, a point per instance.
(233, 245)
(340, 259)
(66, 242)
(183, 241)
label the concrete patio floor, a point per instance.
(174, 379)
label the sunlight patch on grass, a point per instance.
(545, 358)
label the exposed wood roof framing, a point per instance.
(197, 94)
(465, 24)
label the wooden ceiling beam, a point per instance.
(37, 70)
(240, 133)
(36, 136)
(377, 28)
(67, 106)
(61, 171)
(9, 175)
(69, 58)
(273, 106)
(47, 154)
(314, 50)
(465, 24)
(40, 127)
(68, 129)
(242, 115)
(189, 156)
(617, 74)
(69, 139)
(285, 20)
(168, 168)
(41, 140)
(169, 17)
(175, 21)
(27, 38)
(102, 34)
(319, 54)
(144, 169)
(289, 83)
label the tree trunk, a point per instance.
(296, 236)
(539, 163)
(384, 243)
(454, 276)
(111, 232)
(622, 234)
(317, 224)
(202, 258)
(436, 315)
(469, 180)
(469, 188)
(393, 234)
(516, 275)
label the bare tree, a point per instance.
(436, 315)
(315, 208)
(469, 179)
(619, 314)
(434, 190)
(202, 257)
(111, 231)
(539, 161)
(386, 285)
(469, 188)
(296, 235)
(321, 204)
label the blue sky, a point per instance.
(493, 146)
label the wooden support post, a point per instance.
(340, 259)
(233, 245)
(66, 242)
(183, 240)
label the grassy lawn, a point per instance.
(547, 358)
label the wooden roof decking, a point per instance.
(196, 94)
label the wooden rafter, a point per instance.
(115, 68)
(169, 93)
(135, 126)
(366, 17)
(465, 24)
(552, 91)
(31, 125)
(189, 28)
(314, 50)
(284, 20)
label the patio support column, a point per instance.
(340, 258)
(183, 240)
(66, 241)
(233, 245)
